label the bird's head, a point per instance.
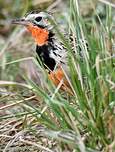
(38, 24)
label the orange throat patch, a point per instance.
(40, 35)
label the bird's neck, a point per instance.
(40, 35)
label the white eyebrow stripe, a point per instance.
(33, 16)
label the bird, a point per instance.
(49, 48)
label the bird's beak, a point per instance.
(20, 22)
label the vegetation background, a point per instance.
(36, 116)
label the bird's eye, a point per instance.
(38, 19)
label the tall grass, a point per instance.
(89, 113)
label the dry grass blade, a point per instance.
(107, 3)
(17, 102)
(40, 147)
(9, 83)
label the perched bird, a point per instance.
(49, 49)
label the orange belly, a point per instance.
(57, 76)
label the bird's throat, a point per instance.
(40, 35)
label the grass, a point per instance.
(84, 121)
